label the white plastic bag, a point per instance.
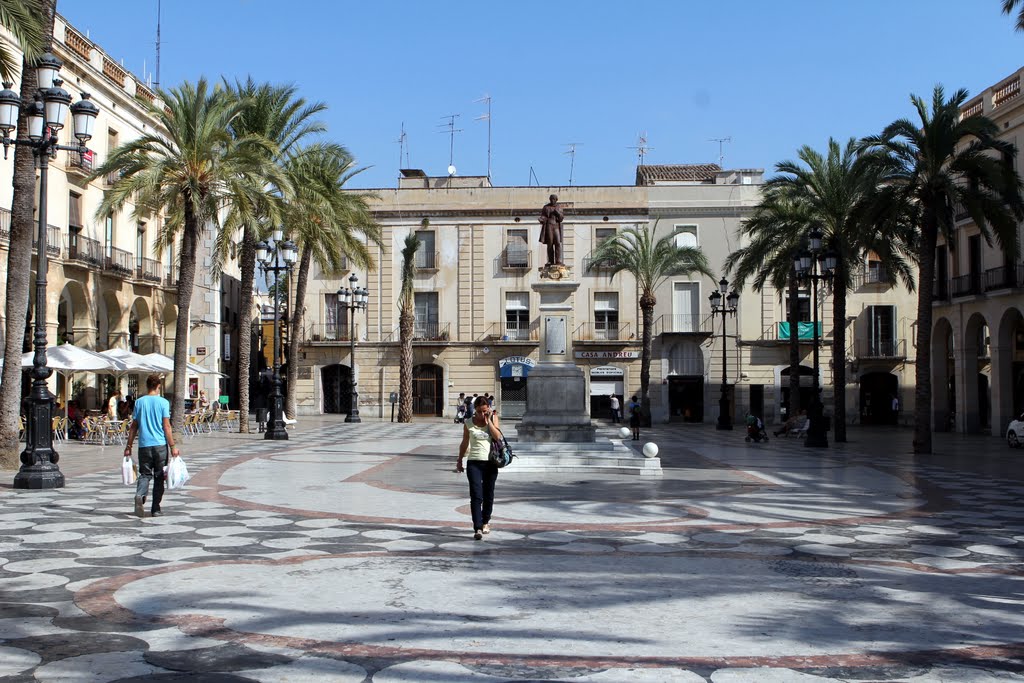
(177, 473)
(128, 472)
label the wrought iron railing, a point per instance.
(149, 270)
(5, 224)
(330, 332)
(85, 250)
(965, 285)
(423, 331)
(872, 276)
(514, 331)
(513, 258)
(53, 240)
(602, 331)
(881, 348)
(591, 264)
(683, 323)
(119, 262)
(171, 277)
(426, 260)
(78, 162)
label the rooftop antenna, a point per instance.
(451, 130)
(486, 117)
(641, 148)
(403, 148)
(721, 154)
(156, 83)
(572, 157)
(533, 178)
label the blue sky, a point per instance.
(771, 75)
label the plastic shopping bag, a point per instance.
(177, 473)
(129, 473)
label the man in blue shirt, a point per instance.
(151, 422)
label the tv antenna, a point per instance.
(533, 178)
(572, 157)
(641, 148)
(486, 117)
(156, 83)
(451, 130)
(721, 154)
(403, 148)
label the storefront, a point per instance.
(605, 380)
(513, 372)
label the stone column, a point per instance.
(556, 401)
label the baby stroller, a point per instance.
(755, 430)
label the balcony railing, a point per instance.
(330, 332)
(960, 212)
(5, 224)
(85, 250)
(422, 331)
(872, 276)
(965, 285)
(1006, 92)
(516, 258)
(601, 331)
(149, 270)
(973, 109)
(591, 264)
(119, 263)
(940, 290)
(512, 331)
(53, 240)
(683, 323)
(426, 260)
(79, 163)
(171, 277)
(880, 348)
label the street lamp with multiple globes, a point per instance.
(269, 255)
(814, 265)
(353, 300)
(724, 304)
(46, 118)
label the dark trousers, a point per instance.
(152, 460)
(482, 475)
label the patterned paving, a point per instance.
(343, 555)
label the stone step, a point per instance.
(585, 462)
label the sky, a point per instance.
(770, 76)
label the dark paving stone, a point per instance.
(56, 594)
(62, 646)
(228, 657)
(186, 678)
(11, 610)
(19, 678)
(92, 625)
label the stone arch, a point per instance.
(976, 375)
(427, 390)
(75, 323)
(109, 322)
(170, 320)
(140, 327)
(686, 358)
(943, 377)
(1007, 370)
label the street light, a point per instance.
(270, 254)
(353, 300)
(46, 116)
(723, 304)
(812, 264)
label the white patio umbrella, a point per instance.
(71, 358)
(132, 362)
(166, 364)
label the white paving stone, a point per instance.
(310, 670)
(101, 667)
(15, 660)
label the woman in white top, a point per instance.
(474, 459)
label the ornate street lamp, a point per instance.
(46, 117)
(724, 304)
(270, 256)
(814, 265)
(353, 299)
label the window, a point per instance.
(425, 308)
(882, 331)
(517, 315)
(517, 248)
(603, 235)
(426, 254)
(686, 236)
(685, 306)
(74, 223)
(140, 243)
(172, 276)
(876, 271)
(606, 315)
(108, 236)
(334, 318)
(804, 310)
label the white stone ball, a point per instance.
(625, 433)
(650, 449)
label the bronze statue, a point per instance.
(551, 217)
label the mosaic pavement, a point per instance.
(345, 555)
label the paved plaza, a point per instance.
(346, 554)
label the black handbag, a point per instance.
(501, 453)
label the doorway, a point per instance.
(336, 381)
(877, 389)
(427, 392)
(686, 399)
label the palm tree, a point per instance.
(926, 168)
(274, 112)
(833, 192)
(191, 173)
(650, 262)
(329, 225)
(1009, 6)
(19, 253)
(406, 323)
(31, 24)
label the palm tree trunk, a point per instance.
(794, 345)
(647, 302)
(247, 263)
(839, 352)
(295, 331)
(186, 281)
(19, 265)
(923, 376)
(406, 321)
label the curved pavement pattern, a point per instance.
(345, 555)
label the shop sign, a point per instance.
(516, 360)
(516, 367)
(608, 355)
(606, 371)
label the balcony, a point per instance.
(512, 331)
(78, 163)
(683, 323)
(960, 212)
(591, 264)
(426, 260)
(516, 257)
(119, 263)
(171, 278)
(114, 72)
(434, 332)
(600, 332)
(53, 240)
(940, 290)
(329, 333)
(85, 250)
(965, 285)
(880, 349)
(1006, 92)
(867, 277)
(149, 270)
(5, 224)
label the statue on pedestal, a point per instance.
(551, 217)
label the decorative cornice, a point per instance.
(416, 214)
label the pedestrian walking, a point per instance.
(460, 408)
(474, 460)
(616, 408)
(151, 422)
(634, 417)
(895, 410)
(261, 398)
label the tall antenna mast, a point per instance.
(641, 148)
(533, 178)
(156, 83)
(402, 149)
(487, 117)
(721, 154)
(572, 157)
(451, 130)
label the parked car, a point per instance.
(1015, 432)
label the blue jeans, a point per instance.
(482, 475)
(152, 460)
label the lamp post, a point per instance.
(353, 299)
(814, 265)
(725, 305)
(270, 254)
(46, 116)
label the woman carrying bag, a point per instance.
(474, 459)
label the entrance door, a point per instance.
(686, 398)
(336, 381)
(512, 402)
(426, 391)
(877, 390)
(757, 400)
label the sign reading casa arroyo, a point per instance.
(608, 354)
